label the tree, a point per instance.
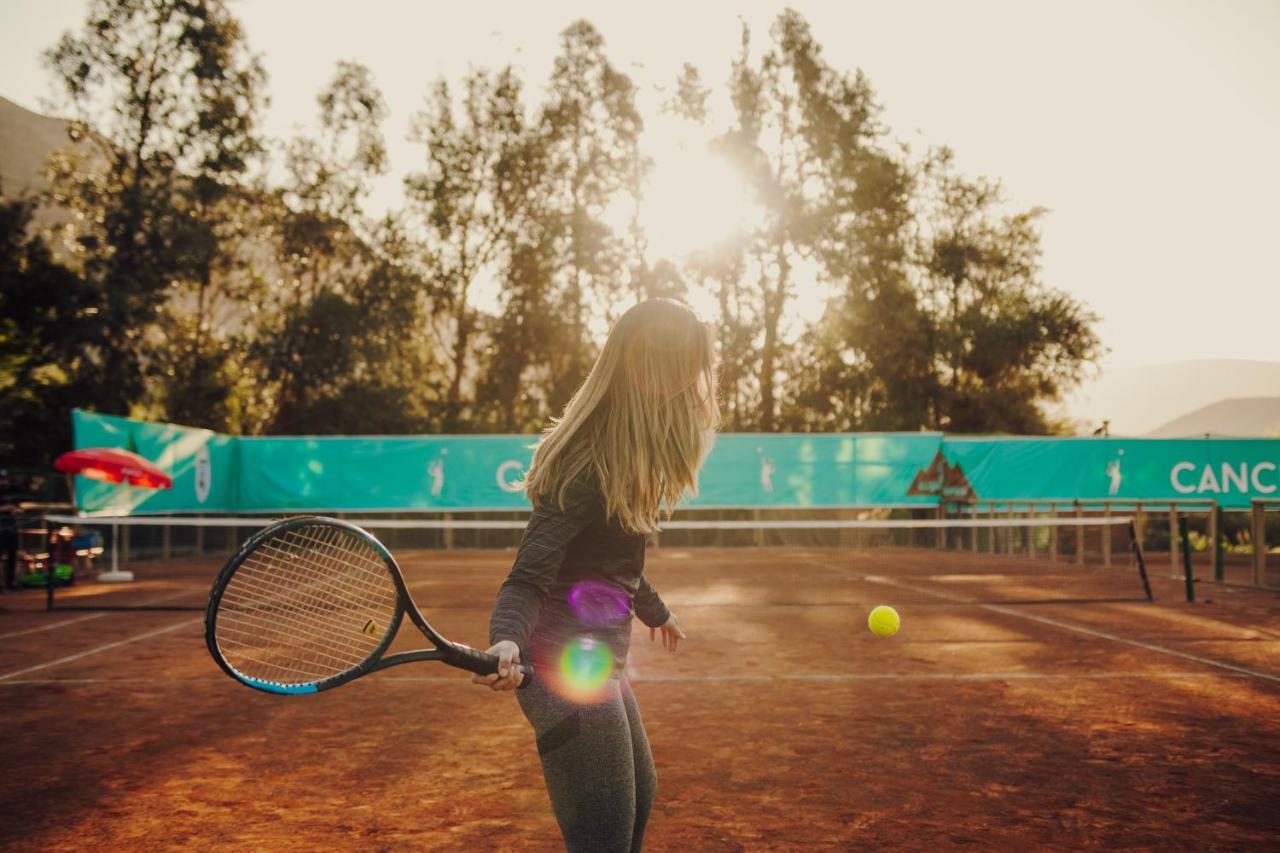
(1002, 342)
(590, 132)
(471, 200)
(799, 128)
(336, 340)
(48, 320)
(165, 92)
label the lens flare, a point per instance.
(585, 666)
(599, 604)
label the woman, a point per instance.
(629, 446)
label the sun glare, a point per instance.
(693, 201)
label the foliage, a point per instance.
(48, 318)
(165, 94)
(334, 341)
(183, 284)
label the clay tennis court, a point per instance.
(1025, 704)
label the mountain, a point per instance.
(1247, 416)
(26, 139)
(1140, 400)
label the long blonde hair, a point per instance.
(643, 421)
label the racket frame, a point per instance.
(454, 654)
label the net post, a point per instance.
(166, 542)
(940, 535)
(1258, 536)
(1215, 540)
(1106, 534)
(447, 534)
(48, 566)
(1173, 540)
(1079, 536)
(1185, 534)
(973, 531)
(1135, 544)
(199, 537)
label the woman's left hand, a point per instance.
(672, 634)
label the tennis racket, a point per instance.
(311, 603)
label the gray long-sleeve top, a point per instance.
(577, 573)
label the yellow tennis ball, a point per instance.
(884, 621)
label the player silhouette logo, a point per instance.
(766, 470)
(435, 470)
(203, 474)
(1113, 472)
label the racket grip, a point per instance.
(483, 663)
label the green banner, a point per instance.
(1231, 471)
(382, 474)
(201, 463)
(216, 473)
(483, 472)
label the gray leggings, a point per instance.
(597, 765)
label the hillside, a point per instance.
(26, 139)
(1140, 400)
(1248, 416)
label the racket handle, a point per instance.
(483, 663)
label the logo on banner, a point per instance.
(1188, 478)
(1113, 474)
(766, 470)
(435, 470)
(944, 480)
(203, 474)
(506, 482)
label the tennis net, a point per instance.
(169, 562)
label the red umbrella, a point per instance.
(113, 465)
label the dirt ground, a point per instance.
(1023, 706)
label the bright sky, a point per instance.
(1148, 129)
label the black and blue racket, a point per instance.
(311, 603)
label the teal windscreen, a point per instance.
(215, 473)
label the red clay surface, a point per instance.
(782, 723)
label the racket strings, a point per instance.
(308, 604)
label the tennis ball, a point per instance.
(884, 621)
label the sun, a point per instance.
(693, 201)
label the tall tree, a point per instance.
(1003, 343)
(337, 340)
(166, 93)
(48, 322)
(798, 124)
(470, 200)
(591, 128)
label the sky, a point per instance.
(1148, 130)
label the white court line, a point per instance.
(1079, 629)
(822, 677)
(82, 619)
(54, 625)
(69, 658)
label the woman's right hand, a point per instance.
(510, 674)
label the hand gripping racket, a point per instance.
(312, 603)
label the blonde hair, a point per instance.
(642, 422)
